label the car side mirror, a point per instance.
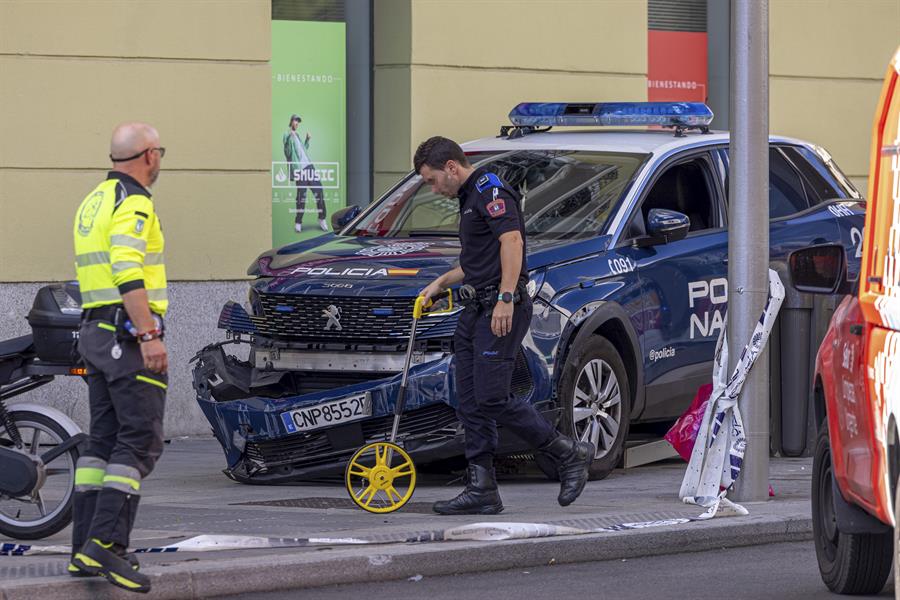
(666, 226)
(819, 269)
(341, 218)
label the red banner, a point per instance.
(676, 69)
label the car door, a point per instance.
(683, 283)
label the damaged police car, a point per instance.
(627, 255)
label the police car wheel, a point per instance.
(596, 402)
(850, 563)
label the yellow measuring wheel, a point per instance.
(381, 477)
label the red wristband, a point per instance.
(147, 336)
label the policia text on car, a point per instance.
(119, 261)
(491, 329)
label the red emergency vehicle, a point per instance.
(855, 501)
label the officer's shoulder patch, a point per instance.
(497, 207)
(487, 181)
(139, 226)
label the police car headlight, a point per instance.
(535, 281)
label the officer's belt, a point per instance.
(103, 313)
(486, 297)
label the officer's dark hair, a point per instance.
(436, 151)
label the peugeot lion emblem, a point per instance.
(333, 314)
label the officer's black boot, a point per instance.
(480, 497)
(573, 459)
(105, 552)
(83, 504)
(110, 561)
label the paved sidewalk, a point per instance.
(188, 495)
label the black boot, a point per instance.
(114, 516)
(109, 561)
(480, 497)
(74, 571)
(83, 504)
(573, 459)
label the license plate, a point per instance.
(335, 412)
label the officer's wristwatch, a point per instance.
(505, 297)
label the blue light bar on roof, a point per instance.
(668, 114)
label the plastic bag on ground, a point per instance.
(683, 433)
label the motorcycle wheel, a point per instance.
(48, 509)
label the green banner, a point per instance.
(308, 128)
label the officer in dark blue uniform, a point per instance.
(491, 329)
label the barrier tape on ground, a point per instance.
(474, 532)
(718, 453)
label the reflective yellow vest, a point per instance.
(119, 245)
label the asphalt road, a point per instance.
(782, 571)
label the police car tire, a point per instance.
(850, 563)
(596, 347)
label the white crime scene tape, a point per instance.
(718, 453)
(474, 532)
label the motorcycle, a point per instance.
(39, 445)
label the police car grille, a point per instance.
(360, 318)
(311, 449)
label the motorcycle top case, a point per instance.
(54, 318)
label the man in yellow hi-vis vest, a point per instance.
(122, 276)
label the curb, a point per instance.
(257, 574)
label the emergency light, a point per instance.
(667, 114)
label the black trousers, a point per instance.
(127, 402)
(484, 366)
(127, 405)
(309, 180)
(127, 420)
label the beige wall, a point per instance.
(196, 69)
(456, 69)
(826, 63)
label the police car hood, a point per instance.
(384, 266)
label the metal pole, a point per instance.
(748, 224)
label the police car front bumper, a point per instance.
(260, 447)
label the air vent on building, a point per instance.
(308, 10)
(676, 15)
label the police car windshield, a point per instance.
(566, 195)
